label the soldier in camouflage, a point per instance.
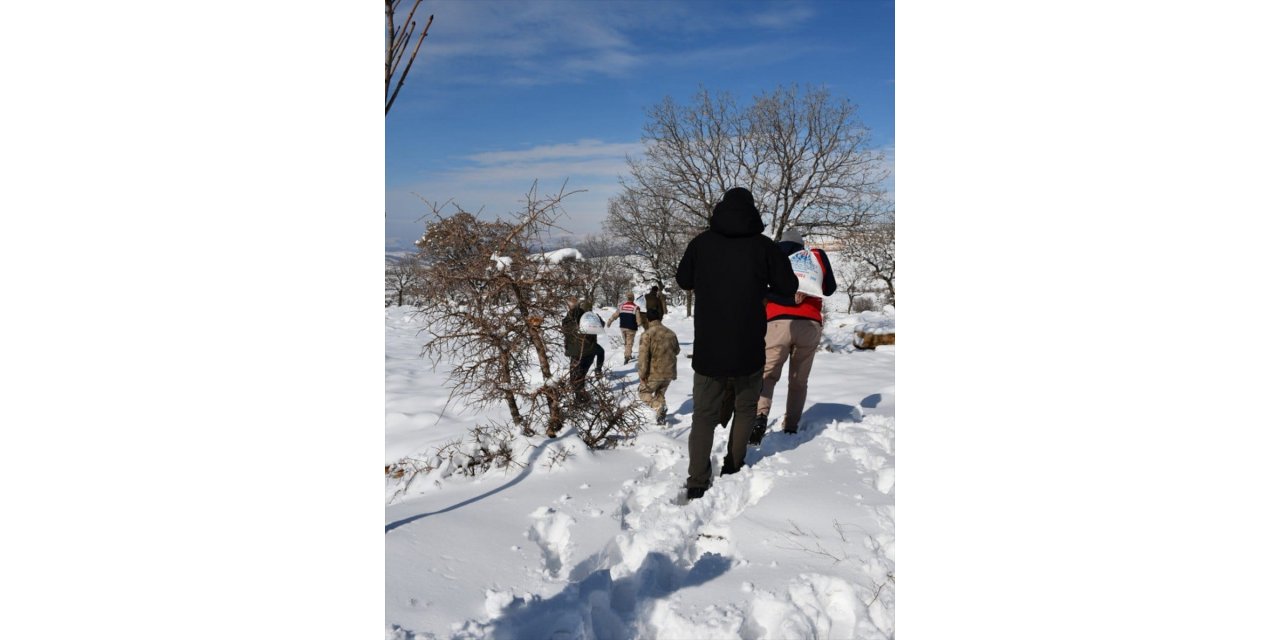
(657, 363)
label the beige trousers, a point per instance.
(796, 340)
(628, 338)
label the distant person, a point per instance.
(654, 301)
(581, 348)
(794, 331)
(626, 317)
(730, 267)
(658, 354)
(591, 342)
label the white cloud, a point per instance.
(793, 15)
(498, 182)
(580, 149)
(533, 43)
(551, 42)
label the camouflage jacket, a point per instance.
(658, 350)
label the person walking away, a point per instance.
(730, 267)
(626, 317)
(656, 364)
(794, 331)
(581, 348)
(655, 300)
(592, 348)
(573, 349)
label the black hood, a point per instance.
(736, 215)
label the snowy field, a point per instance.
(583, 544)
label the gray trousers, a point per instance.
(708, 397)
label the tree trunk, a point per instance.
(514, 407)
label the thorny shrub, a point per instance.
(490, 310)
(489, 447)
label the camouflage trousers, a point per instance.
(654, 394)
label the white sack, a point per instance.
(590, 322)
(808, 272)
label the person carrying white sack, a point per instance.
(581, 327)
(794, 331)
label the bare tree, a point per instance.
(598, 246)
(870, 253)
(403, 278)
(803, 154)
(650, 226)
(397, 43)
(693, 154)
(487, 311)
(816, 171)
(607, 272)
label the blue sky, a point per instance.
(506, 91)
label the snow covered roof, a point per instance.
(560, 255)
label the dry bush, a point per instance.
(608, 417)
(488, 446)
(858, 304)
(487, 312)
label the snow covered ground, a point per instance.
(582, 544)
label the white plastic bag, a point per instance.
(808, 272)
(590, 322)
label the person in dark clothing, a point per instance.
(794, 332)
(654, 301)
(730, 267)
(581, 348)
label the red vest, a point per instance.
(811, 308)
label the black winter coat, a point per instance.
(576, 343)
(731, 267)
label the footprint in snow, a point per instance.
(550, 531)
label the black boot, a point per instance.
(693, 493)
(758, 429)
(728, 468)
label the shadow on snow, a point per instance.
(524, 473)
(599, 606)
(813, 422)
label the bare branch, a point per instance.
(397, 42)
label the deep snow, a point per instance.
(582, 544)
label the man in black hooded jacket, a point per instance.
(730, 267)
